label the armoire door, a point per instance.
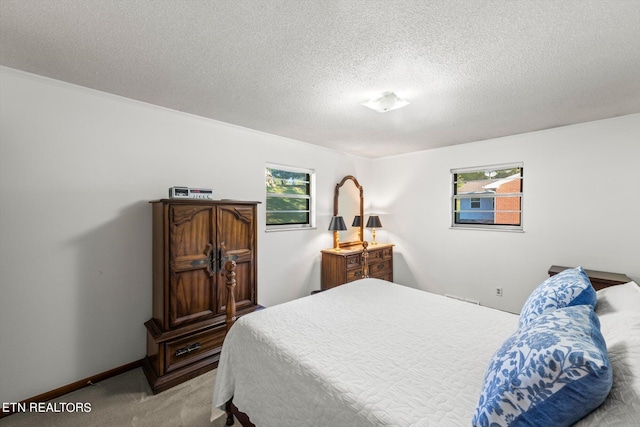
(236, 240)
(192, 263)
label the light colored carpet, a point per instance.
(127, 400)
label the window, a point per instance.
(290, 193)
(488, 197)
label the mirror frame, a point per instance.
(335, 209)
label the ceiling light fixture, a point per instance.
(387, 102)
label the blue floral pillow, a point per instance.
(567, 288)
(552, 372)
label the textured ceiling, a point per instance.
(471, 70)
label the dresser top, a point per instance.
(356, 249)
(180, 201)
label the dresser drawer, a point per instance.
(380, 254)
(353, 261)
(379, 268)
(388, 276)
(184, 351)
(354, 274)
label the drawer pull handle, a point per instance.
(188, 349)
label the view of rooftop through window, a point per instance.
(489, 197)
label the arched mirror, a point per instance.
(348, 202)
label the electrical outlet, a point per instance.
(498, 292)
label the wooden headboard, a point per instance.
(599, 279)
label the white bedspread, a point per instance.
(369, 353)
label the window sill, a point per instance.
(298, 228)
(508, 230)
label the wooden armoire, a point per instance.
(192, 239)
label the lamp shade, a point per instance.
(337, 224)
(374, 222)
(357, 221)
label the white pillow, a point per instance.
(619, 312)
(618, 298)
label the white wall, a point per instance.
(77, 168)
(581, 207)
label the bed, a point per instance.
(376, 353)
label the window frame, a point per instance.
(482, 226)
(311, 196)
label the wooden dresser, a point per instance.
(346, 265)
(192, 240)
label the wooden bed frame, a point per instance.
(230, 272)
(599, 280)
